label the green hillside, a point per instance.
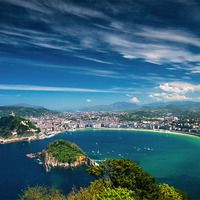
(14, 126)
(25, 111)
(64, 151)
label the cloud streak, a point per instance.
(152, 51)
(167, 35)
(56, 89)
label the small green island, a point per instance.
(14, 128)
(63, 154)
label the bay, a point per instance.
(170, 158)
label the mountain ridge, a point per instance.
(127, 106)
(116, 106)
(25, 111)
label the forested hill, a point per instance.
(14, 126)
(25, 111)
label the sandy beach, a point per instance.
(145, 130)
(29, 139)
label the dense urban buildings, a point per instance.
(51, 124)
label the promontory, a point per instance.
(14, 128)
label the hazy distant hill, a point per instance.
(182, 106)
(25, 111)
(118, 106)
(26, 105)
(159, 106)
(186, 109)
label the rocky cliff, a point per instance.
(62, 154)
(51, 162)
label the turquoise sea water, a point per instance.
(170, 158)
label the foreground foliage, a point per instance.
(126, 174)
(119, 179)
(123, 179)
(42, 193)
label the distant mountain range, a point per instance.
(118, 106)
(25, 110)
(126, 106)
(183, 110)
(173, 107)
(25, 105)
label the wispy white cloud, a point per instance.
(169, 97)
(88, 100)
(77, 10)
(195, 69)
(179, 87)
(60, 6)
(103, 73)
(130, 40)
(30, 5)
(56, 89)
(84, 70)
(93, 59)
(158, 46)
(135, 100)
(169, 35)
(151, 51)
(176, 91)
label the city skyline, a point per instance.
(61, 54)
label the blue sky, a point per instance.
(63, 54)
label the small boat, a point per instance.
(40, 162)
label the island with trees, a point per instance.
(63, 154)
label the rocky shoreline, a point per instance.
(49, 162)
(19, 139)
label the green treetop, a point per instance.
(64, 151)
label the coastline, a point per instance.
(29, 139)
(49, 162)
(20, 139)
(145, 130)
(52, 134)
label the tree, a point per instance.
(41, 193)
(169, 193)
(126, 174)
(89, 193)
(116, 194)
